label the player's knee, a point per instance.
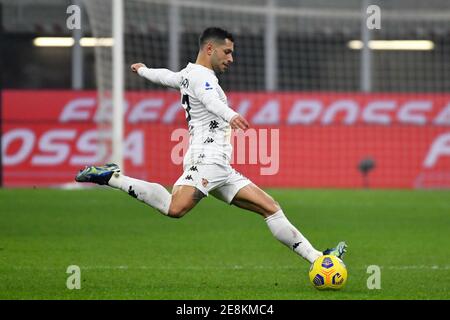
(177, 211)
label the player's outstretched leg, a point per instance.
(174, 205)
(254, 199)
(151, 193)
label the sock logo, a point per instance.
(131, 192)
(296, 245)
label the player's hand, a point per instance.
(238, 122)
(136, 66)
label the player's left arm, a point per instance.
(164, 77)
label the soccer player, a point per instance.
(206, 164)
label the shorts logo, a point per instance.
(189, 177)
(204, 182)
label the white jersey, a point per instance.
(206, 108)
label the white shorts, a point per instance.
(222, 181)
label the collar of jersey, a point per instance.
(202, 67)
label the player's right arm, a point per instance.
(204, 89)
(239, 122)
(164, 77)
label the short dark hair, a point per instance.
(214, 33)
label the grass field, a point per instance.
(126, 250)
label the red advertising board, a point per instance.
(296, 139)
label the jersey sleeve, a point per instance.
(164, 77)
(204, 88)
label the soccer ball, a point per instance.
(328, 272)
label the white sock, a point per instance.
(285, 232)
(153, 194)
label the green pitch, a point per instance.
(126, 250)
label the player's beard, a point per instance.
(216, 65)
(217, 69)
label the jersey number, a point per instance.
(186, 106)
